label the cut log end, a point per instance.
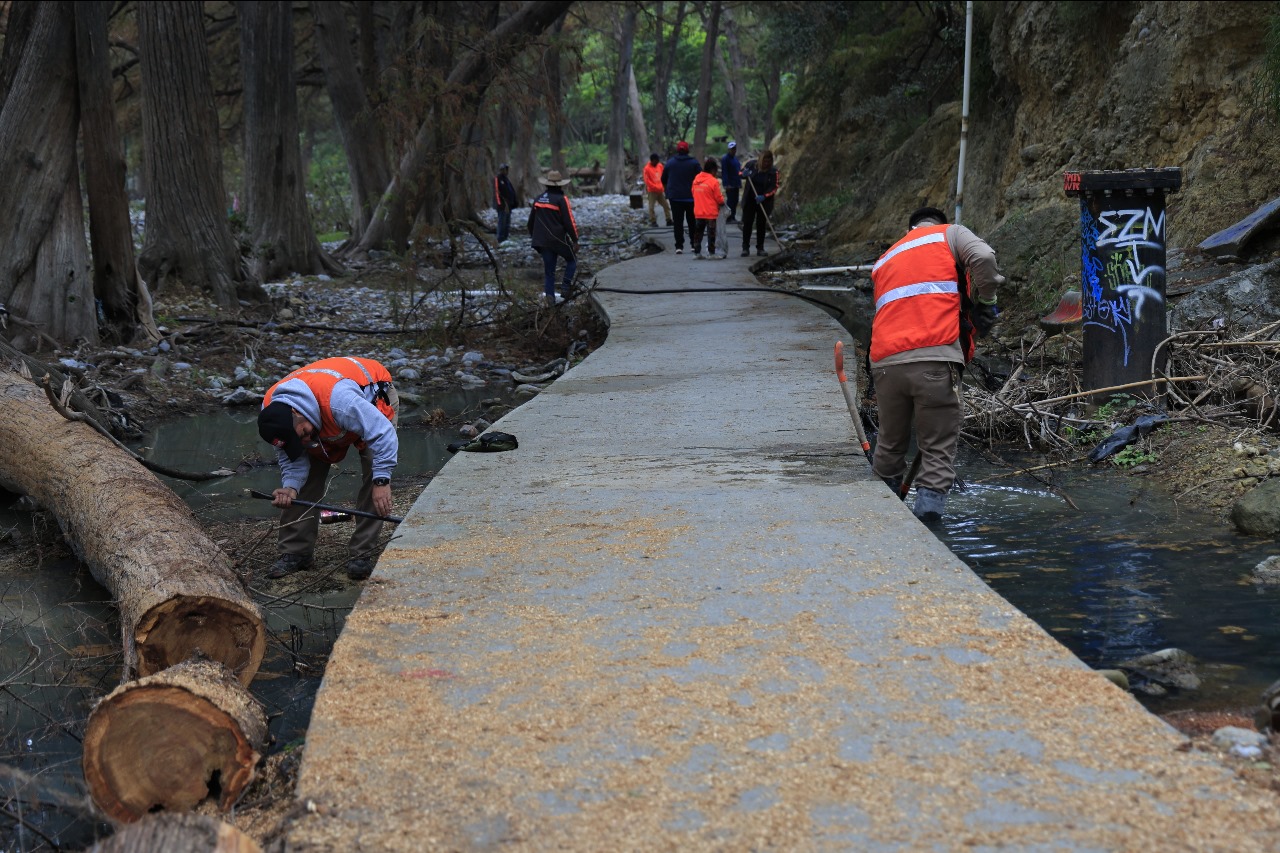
(171, 741)
(216, 628)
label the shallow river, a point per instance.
(1128, 573)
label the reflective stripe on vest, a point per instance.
(917, 294)
(320, 377)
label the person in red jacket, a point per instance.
(654, 190)
(312, 417)
(921, 338)
(708, 198)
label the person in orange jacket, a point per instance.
(654, 190)
(708, 198)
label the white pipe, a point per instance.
(825, 270)
(964, 109)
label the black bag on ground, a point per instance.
(490, 442)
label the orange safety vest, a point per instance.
(653, 177)
(918, 295)
(320, 377)
(707, 196)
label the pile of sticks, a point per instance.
(1220, 376)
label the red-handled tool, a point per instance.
(849, 396)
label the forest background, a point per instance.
(214, 142)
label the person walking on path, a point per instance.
(655, 191)
(554, 234)
(677, 180)
(934, 289)
(707, 201)
(312, 417)
(731, 177)
(761, 181)
(504, 201)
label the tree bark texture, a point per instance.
(554, 100)
(187, 235)
(709, 50)
(663, 63)
(170, 740)
(615, 162)
(168, 832)
(275, 188)
(363, 138)
(734, 86)
(110, 231)
(38, 122)
(454, 110)
(175, 588)
(638, 130)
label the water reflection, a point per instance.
(1128, 573)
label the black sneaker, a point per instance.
(359, 568)
(746, 253)
(287, 564)
(679, 251)
(760, 253)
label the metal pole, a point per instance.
(964, 109)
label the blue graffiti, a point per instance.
(1116, 292)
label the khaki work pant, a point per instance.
(300, 526)
(928, 393)
(659, 197)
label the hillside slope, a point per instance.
(1058, 87)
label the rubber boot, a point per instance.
(895, 486)
(930, 505)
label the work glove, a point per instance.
(759, 199)
(984, 317)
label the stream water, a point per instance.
(1129, 572)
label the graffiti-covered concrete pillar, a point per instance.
(1122, 253)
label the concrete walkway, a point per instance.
(684, 616)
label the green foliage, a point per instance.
(1134, 455)
(328, 187)
(819, 211)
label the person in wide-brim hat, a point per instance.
(554, 179)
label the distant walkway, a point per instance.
(684, 616)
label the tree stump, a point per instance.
(176, 589)
(177, 833)
(171, 740)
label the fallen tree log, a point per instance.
(171, 740)
(177, 833)
(176, 590)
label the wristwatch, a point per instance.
(382, 481)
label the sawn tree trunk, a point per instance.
(176, 590)
(171, 740)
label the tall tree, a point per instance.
(553, 71)
(734, 85)
(110, 231)
(451, 114)
(279, 225)
(663, 66)
(363, 137)
(709, 50)
(639, 132)
(187, 233)
(615, 162)
(44, 274)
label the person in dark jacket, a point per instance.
(555, 234)
(731, 178)
(504, 201)
(677, 178)
(760, 182)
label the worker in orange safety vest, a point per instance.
(921, 339)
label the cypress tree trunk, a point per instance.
(110, 231)
(363, 138)
(187, 234)
(44, 278)
(176, 589)
(275, 188)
